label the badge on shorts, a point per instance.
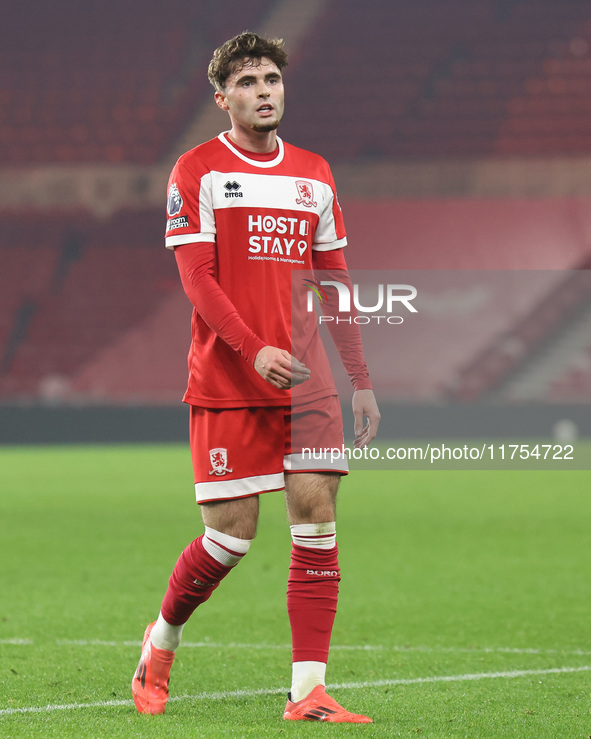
(219, 461)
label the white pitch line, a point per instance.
(334, 686)
(334, 647)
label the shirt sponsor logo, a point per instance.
(306, 194)
(280, 236)
(219, 461)
(232, 189)
(174, 202)
(181, 222)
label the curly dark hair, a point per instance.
(231, 56)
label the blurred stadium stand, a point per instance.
(460, 138)
(460, 78)
(111, 82)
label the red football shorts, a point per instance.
(238, 452)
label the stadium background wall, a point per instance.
(477, 158)
(39, 425)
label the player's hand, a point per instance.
(365, 406)
(279, 368)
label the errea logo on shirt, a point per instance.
(232, 189)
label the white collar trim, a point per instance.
(254, 162)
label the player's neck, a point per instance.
(259, 142)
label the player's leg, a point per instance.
(312, 595)
(310, 493)
(227, 490)
(203, 564)
(313, 585)
(230, 527)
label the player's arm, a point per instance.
(196, 267)
(331, 265)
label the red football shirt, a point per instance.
(265, 216)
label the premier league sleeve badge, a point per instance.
(175, 201)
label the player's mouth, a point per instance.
(265, 109)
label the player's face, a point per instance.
(253, 96)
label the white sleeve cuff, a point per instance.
(172, 241)
(330, 247)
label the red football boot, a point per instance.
(319, 706)
(149, 686)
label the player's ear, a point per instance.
(220, 98)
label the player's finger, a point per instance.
(361, 439)
(292, 363)
(298, 379)
(290, 370)
(275, 373)
(280, 381)
(372, 429)
(289, 379)
(281, 368)
(292, 377)
(358, 423)
(360, 430)
(368, 434)
(297, 366)
(374, 424)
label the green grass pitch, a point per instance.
(465, 602)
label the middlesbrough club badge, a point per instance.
(219, 461)
(306, 193)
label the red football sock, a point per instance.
(194, 578)
(312, 595)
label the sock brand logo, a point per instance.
(323, 573)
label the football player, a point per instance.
(247, 211)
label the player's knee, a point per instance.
(227, 550)
(235, 518)
(315, 536)
(312, 510)
(311, 497)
